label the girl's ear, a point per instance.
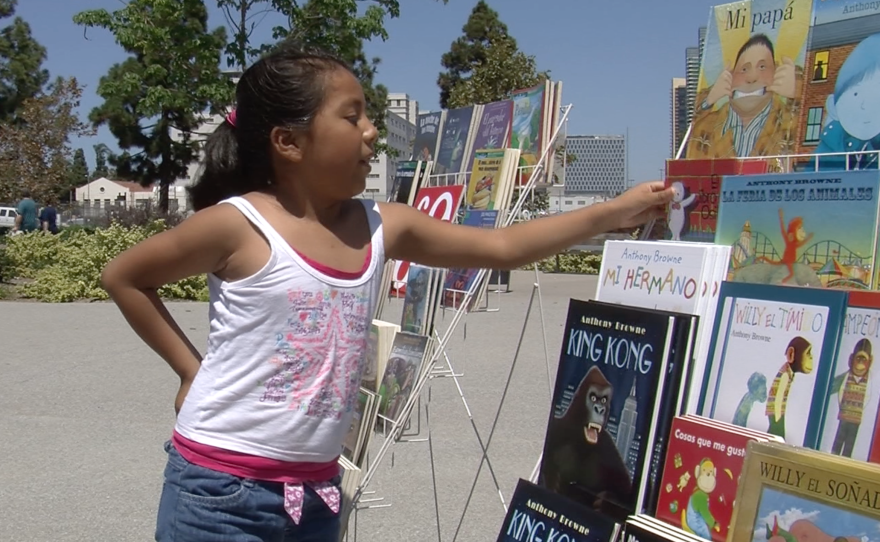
(287, 143)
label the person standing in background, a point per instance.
(26, 221)
(49, 218)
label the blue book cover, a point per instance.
(772, 353)
(537, 514)
(602, 425)
(801, 229)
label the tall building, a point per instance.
(402, 105)
(678, 113)
(693, 59)
(600, 166)
(401, 134)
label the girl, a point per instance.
(294, 264)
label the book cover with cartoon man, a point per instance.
(778, 340)
(855, 395)
(605, 407)
(751, 79)
(816, 229)
(700, 477)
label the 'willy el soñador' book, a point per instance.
(773, 351)
(788, 493)
(538, 514)
(602, 423)
(801, 229)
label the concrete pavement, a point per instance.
(85, 408)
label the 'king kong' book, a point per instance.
(599, 440)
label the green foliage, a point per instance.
(102, 153)
(154, 100)
(35, 148)
(581, 263)
(469, 51)
(538, 201)
(67, 267)
(22, 76)
(505, 69)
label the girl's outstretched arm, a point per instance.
(200, 244)
(416, 237)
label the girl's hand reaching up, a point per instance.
(641, 203)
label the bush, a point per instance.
(582, 263)
(67, 267)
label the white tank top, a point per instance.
(286, 349)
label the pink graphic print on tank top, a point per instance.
(320, 353)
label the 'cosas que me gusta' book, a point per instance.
(602, 424)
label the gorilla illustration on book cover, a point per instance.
(581, 460)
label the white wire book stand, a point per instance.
(440, 365)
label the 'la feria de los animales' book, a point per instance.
(788, 493)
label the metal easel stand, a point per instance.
(439, 349)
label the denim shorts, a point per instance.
(202, 505)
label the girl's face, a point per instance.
(858, 109)
(341, 138)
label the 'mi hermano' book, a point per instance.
(773, 349)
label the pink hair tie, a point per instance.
(230, 117)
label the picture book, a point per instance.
(401, 372)
(772, 351)
(459, 281)
(493, 130)
(700, 477)
(751, 74)
(794, 494)
(815, 229)
(456, 129)
(854, 397)
(482, 190)
(427, 133)
(537, 514)
(378, 349)
(416, 301)
(527, 127)
(601, 428)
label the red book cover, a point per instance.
(440, 202)
(694, 208)
(700, 476)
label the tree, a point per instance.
(469, 51)
(102, 153)
(77, 174)
(155, 100)
(240, 15)
(35, 145)
(21, 59)
(504, 70)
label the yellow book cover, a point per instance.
(482, 190)
(789, 494)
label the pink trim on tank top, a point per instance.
(251, 466)
(335, 273)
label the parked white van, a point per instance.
(7, 217)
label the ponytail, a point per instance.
(283, 89)
(221, 175)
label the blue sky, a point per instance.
(615, 58)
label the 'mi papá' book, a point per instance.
(801, 229)
(773, 349)
(854, 397)
(602, 425)
(538, 514)
(788, 493)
